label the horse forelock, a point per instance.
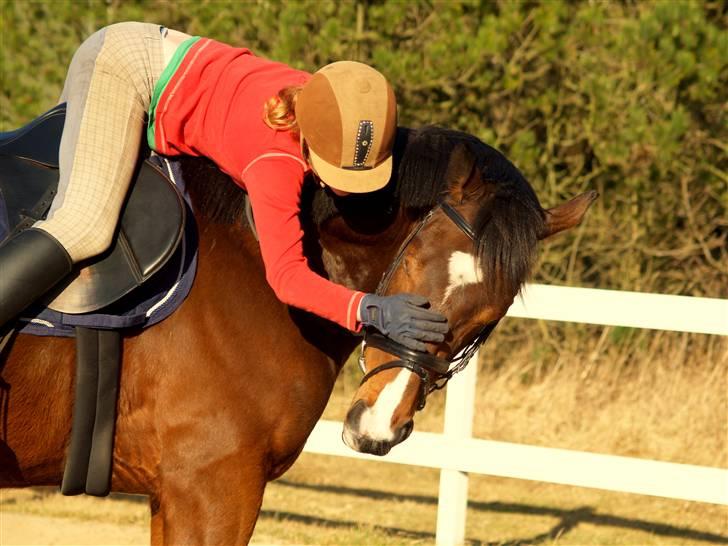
(506, 241)
(507, 226)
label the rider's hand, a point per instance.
(404, 319)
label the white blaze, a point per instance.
(376, 422)
(463, 269)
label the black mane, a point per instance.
(214, 195)
(507, 226)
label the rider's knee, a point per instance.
(95, 243)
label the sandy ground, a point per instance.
(33, 530)
(30, 529)
(329, 502)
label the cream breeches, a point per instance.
(108, 91)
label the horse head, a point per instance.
(469, 254)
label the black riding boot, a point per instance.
(31, 263)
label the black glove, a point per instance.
(404, 319)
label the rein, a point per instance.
(418, 362)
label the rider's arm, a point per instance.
(274, 186)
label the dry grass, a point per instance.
(668, 401)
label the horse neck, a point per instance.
(358, 260)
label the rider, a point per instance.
(263, 123)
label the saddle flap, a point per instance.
(39, 140)
(151, 227)
(24, 191)
(150, 239)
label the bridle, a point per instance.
(422, 364)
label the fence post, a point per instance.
(453, 500)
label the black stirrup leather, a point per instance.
(150, 227)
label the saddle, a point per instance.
(150, 229)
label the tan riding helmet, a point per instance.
(347, 114)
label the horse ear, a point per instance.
(459, 172)
(567, 215)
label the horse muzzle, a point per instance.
(361, 435)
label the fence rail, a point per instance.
(544, 464)
(456, 453)
(622, 308)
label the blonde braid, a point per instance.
(279, 111)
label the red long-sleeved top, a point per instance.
(209, 102)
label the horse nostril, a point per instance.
(408, 427)
(404, 432)
(354, 415)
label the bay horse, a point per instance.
(220, 398)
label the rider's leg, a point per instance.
(108, 90)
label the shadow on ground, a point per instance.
(569, 519)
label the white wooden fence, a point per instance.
(456, 453)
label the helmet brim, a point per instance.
(351, 180)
